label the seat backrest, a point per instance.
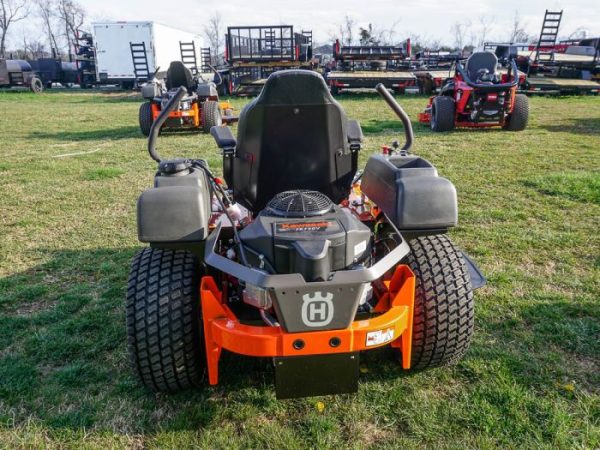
(179, 75)
(481, 60)
(292, 136)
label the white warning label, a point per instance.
(379, 337)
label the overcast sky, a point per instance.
(431, 20)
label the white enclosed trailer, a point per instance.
(113, 51)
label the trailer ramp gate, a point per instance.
(548, 36)
(188, 56)
(206, 59)
(139, 56)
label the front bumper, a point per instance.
(223, 330)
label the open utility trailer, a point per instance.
(364, 67)
(252, 53)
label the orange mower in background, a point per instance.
(296, 256)
(479, 97)
(199, 109)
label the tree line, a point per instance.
(59, 22)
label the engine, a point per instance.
(304, 232)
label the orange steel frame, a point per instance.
(222, 329)
(193, 112)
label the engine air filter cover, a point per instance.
(299, 203)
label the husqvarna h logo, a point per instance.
(317, 309)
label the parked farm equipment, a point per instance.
(252, 53)
(19, 73)
(199, 109)
(555, 67)
(479, 96)
(364, 67)
(53, 70)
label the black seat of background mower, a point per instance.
(294, 135)
(179, 75)
(478, 61)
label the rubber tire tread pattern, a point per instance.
(444, 113)
(146, 119)
(444, 308)
(517, 120)
(211, 115)
(164, 333)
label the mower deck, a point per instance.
(425, 118)
(191, 118)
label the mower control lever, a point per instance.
(160, 120)
(392, 103)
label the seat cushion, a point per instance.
(292, 136)
(481, 60)
(179, 75)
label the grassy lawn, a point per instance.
(71, 167)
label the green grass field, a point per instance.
(71, 167)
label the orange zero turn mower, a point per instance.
(296, 255)
(199, 109)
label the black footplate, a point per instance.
(307, 376)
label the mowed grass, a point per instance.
(71, 167)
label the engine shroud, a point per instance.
(315, 242)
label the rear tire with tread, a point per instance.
(518, 118)
(164, 320)
(444, 308)
(442, 113)
(146, 118)
(211, 115)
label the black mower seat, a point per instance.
(179, 75)
(294, 135)
(481, 60)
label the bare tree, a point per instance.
(420, 42)
(486, 24)
(347, 30)
(46, 12)
(517, 31)
(387, 36)
(459, 30)
(11, 11)
(72, 16)
(33, 49)
(214, 36)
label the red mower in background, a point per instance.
(479, 96)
